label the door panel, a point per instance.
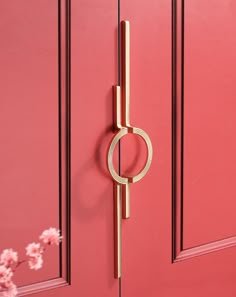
(56, 122)
(159, 257)
(29, 129)
(146, 236)
(209, 121)
(94, 72)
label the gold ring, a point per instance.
(124, 131)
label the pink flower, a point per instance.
(36, 262)
(5, 275)
(33, 249)
(11, 291)
(51, 236)
(8, 257)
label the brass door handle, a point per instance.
(123, 127)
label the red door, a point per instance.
(180, 239)
(55, 125)
(58, 63)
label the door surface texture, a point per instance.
(64, 66)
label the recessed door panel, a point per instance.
(208, 99)
(29, 119)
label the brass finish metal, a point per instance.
(126, 201)
(125, 74)
(114, 174)
(123, 127)
(117, 230)
(117, 104)
(122, 132)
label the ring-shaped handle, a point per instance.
(122, 132)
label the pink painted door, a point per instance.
(58, 63)
(180, 239)
(55, 125)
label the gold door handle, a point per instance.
(123, 127)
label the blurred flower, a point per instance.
(35, 262)
(8, 257)
(5, 275)
(51, 236)
(10, 291)
(34, 252)
(7, 287)
(33, 249)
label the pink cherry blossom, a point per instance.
(34, 249)
(11, 291)
(7, 287)
(5, 275)
(35, 262)
(51, 236)
(8, 257)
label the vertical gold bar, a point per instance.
(117, 107)
(125, 88)
(126, 201)
(125, 72)
(117, 230)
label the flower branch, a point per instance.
(9, 261)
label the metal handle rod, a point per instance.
(123, 127)
(125, 87)
(117, 230)
(117, 104)
(126, 201)
(125, 72)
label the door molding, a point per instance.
(178, 47)
(64, 131)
